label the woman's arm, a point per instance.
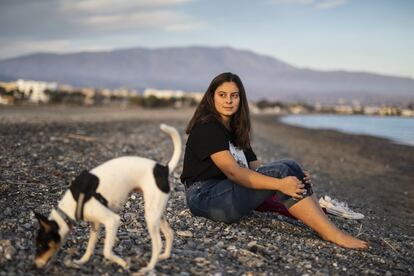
(225, 162)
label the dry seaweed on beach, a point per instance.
(38, 159)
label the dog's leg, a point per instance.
(111, 227)
(169, 236)
(152, 217)
(95, 211)
(154, 231)
(91, 244)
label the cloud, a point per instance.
(140, 20)
(111, 6)
(64, 25)
(9, 48)
(124, 15)
(289, 2)
(184, 27)
(318, 4)
(62, 19)
(329, 4)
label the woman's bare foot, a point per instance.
(344, 240)
(309, 212)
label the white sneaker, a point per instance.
(338, 208)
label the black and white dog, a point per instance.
(94, 196)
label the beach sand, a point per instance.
(44, 147)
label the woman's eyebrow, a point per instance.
(228, 92)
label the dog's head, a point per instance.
(47, 241)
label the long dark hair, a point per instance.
(240, 121)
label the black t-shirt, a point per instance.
(204, 140)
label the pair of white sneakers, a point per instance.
(338, 208)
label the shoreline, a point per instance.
(352, 131)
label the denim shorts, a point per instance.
(226, 201)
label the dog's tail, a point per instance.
(177, 145)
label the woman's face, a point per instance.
(227, 100)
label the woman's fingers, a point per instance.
(297, 196)
(307, 177)
(301, 191)
(296, 188)
(307, 180)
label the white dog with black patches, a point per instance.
(94, 196)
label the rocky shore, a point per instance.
(42, 148)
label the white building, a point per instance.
(163, 94)
(35, 90)
(168, 94)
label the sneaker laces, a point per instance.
(341, 204)
(338, 203)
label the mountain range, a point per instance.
(192, 68)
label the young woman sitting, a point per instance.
(224, 180)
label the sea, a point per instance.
(399, 130)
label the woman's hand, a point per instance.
(292, 186)
(307, 178)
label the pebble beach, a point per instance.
(43, 147)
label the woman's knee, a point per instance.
(275, 169)
(295, 167)
(292, 163)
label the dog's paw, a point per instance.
(164, 256)
(124, 264)
(68, 262)
(79, 262)
(145, 271)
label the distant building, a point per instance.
(297, 109)
(170, 94)
(371, 110)
(8, 86)
(163, 94)
(35, 90)
(253, 108)
(89, 95)
(6, 100)
(6, 92)
(343, 109)
(197, 96)
(407, 112)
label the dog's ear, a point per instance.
(43, 221)
(39, 216)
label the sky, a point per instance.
(353, 35)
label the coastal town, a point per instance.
(31, 92)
